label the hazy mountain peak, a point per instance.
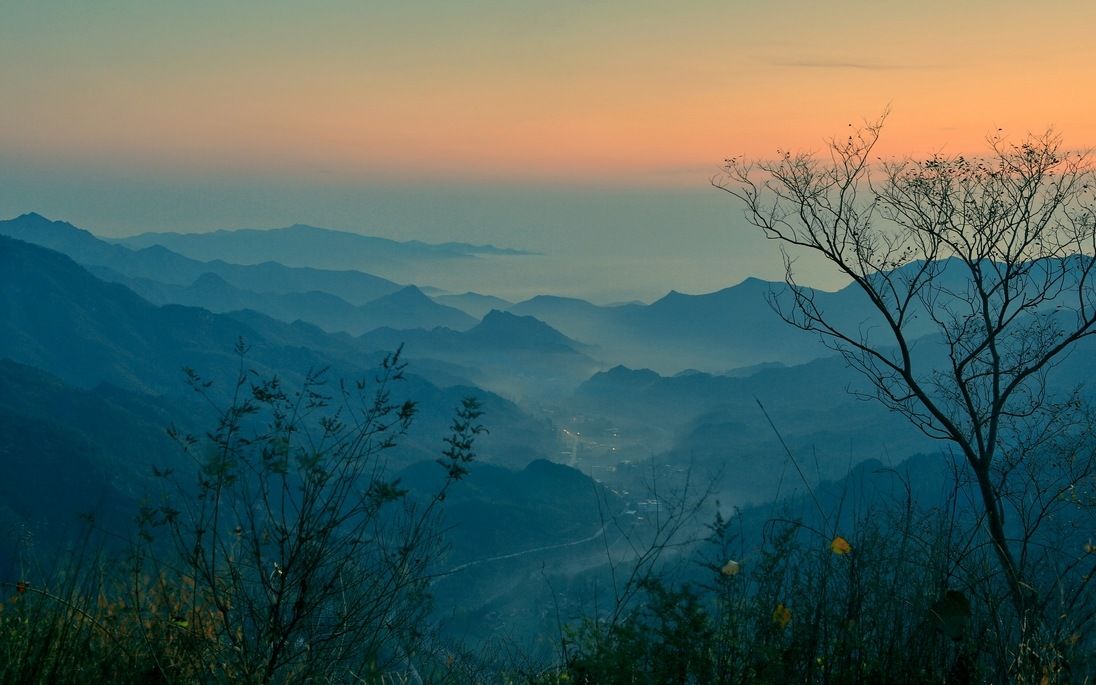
(620, 372)
(36, 220)
(32, 217)
(671, 298)
(409, 307)
(497, 315)
(525, 331)
(34, 223)
(496, 318)
(303, 245)
(210, 279)
(543, 299)
(410, 293)
(472, 303)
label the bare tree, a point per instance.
(993, 259)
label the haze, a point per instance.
(586, 132)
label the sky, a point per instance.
(584, 130)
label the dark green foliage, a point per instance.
(666, 641)
(294, 554)
(899, 601)
(458, 452)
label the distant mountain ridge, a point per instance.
(409, 307)
(714, 332)
(160, 264)
(519, 356)
(715, 422)
(474, 304)
(56, 316)
(60, 318)
(309, 246)
(330, 312)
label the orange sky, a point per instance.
(618, 92)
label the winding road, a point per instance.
(514, 555)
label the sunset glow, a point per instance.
(610, 92)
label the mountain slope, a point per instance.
(161, 265)
(517, 356)
(330, 312)
(714, 332)
(473, 304)
(56, 316)
(410, 308)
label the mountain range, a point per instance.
(518, 356)
(317, 296)
(715, 332)
(60, 318)
(159, 264)
(308, 246)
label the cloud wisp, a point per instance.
(861, 65)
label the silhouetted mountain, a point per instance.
(309, 246)
(742, 371)
(517, 538)
(127, 426)
(329, 312)
(58, 317)
(517, 356)
(731, 328)
(158, 264)
(84, 436)
(708, 332)
(473, 304)
(715, 422)
(68, 451)
(53, 475)
(497, 510)
(736, 322)
(577, 318)
(410, 308)
(727, 329)
(503, 329)
(61, 236)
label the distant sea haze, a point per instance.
(603, 244)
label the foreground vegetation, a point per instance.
(900, 601)
(292, 558)
(901, 597)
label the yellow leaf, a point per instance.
(840, 546)
(782, 615)
(731, 568)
